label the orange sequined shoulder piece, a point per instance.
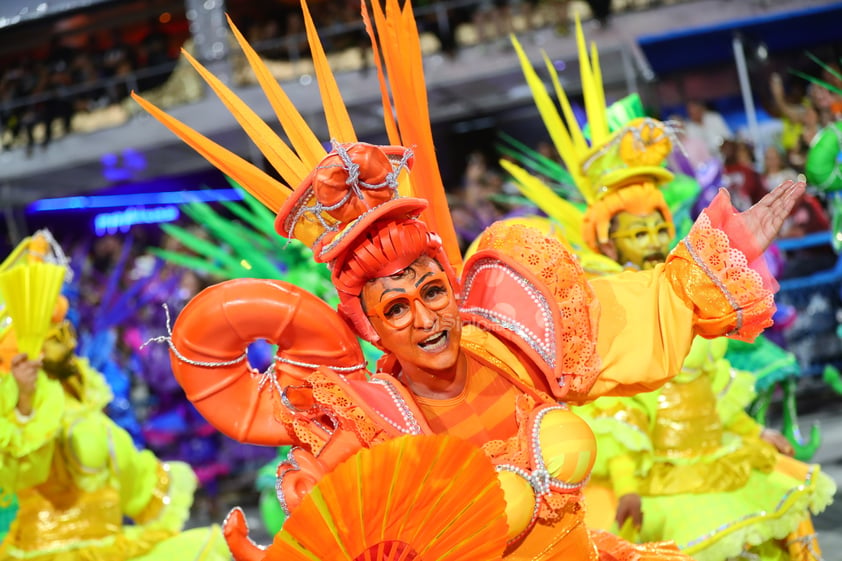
(525, 287)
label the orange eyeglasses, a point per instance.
(398, 310)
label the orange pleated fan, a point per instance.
(414, 498)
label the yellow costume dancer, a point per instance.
(688, 447)
(75, 472)
(484, 351)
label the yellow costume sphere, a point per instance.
(568, 446)
(520, 502)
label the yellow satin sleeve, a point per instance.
(26, 447)
(645, 331)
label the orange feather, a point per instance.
(302, 138)
(266, 189)
(397, 34)
(338, 121)
(282, 158)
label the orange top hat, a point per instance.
(353, 187)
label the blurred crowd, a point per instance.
(45, 89)
(751, 169)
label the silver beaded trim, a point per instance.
(411, 425)
(720, 285)
(228, 517)
(539, 478)
(168, 340)
(544, 346)
(292, 466)
(315, 366)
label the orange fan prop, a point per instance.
(412, 498)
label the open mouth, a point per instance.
(654, 259)
(435, 343)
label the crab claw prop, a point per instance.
(236, 532)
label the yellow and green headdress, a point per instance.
(622, 167)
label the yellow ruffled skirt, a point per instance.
(717, 525)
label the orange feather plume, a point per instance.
(395, 39)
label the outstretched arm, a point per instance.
(713, 284)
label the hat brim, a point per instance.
(626, 176)
(334, 244)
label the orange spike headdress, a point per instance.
(353, 196)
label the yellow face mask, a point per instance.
(640, 240)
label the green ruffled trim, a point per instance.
(768, 362)
(183, 484)
(616, 438)
(762, 527)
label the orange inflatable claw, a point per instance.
(302, 470)
(236, 530)
(209, 342)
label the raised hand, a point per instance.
(25, 373)
(766, 217)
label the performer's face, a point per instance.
(642, 240)
(58, 350)
(416, 316)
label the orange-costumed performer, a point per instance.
(490, 351)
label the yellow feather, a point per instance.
(552, 120)
(308, 147)
(568, 216)
(579, 145)
(336, 113)
(579, 142)
(593, 105)
(600, 92)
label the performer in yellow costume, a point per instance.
(683, 463)
(491, 350)
(77, 474)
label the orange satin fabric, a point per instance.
(484, 411)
